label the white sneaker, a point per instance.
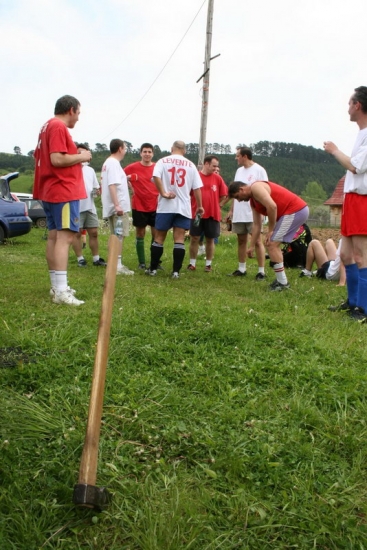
(201, 250)
(65, 297)
(123, 270)
(175, 275)
(53, 290)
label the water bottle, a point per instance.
(197, 219)
(118, 228)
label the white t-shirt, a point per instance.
(179, 175)
(113, 174)
(242, 211)
(357, 183)
(90, 183)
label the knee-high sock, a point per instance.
(280, 273)
(140, 249)
(351, 271)
(156, 251)
(362, 289)
(178, 256)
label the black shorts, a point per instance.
(142, 219)
(321, 272)
(209, 226)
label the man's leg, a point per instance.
(140, 235)
(276, 257)
(209, 251)
(241, 251)
(156, 249)
(330, 249)
(78, 244)
(178, 248)
(360, 256)
(260, 256)
(194, 248)
(315, 253)
(351, 270)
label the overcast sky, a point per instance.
(285, 73)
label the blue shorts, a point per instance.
(164, 222)
(62, 215)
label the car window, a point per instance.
(36, 205)
(4, 190)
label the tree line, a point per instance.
(290, 164)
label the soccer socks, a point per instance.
(156, 251)
(140, 249)
(362, 289)
(352, 284)
(242, 267)
(61, 281)
(178, 256)
(280, 273)
(52, 277)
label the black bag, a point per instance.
(294, 253)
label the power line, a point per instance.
(159, 74)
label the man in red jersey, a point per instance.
(286, 212)
(58, 182)
(144, 199)
(214, 192)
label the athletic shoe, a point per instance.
(191, 267)
(276, 286)
(160, 268)
(358, 314)
(70, 290)
(208, 269)
(123, 270)
(82, 263)
(65, 297)
(237, 273)
(151, 272)
(100, 262)
(201, 250)
(260, 276)
(344, 306)
(305, 273)
(175, 275)
(142, 266)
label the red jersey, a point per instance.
(52, 183)
(213, 189)
(145, 195)
(286, 201)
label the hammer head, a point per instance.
(89, 496)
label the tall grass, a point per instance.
(234, 417)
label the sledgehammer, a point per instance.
(85, 492)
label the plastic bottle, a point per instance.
(118, 228)
(197, 219)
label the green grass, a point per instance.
(234, 418)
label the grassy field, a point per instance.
(234, 417)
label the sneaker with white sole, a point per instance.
(123, 270)
(175, 275)
(306, 273)
(82, 262)
(65, 297)
(276, 286)
(53, 290)
(151, 272)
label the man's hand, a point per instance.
(268, 237)
(169, 195)
(330, 147)
(200, 210)
(85, 155)
(118, 210)
(250, 251)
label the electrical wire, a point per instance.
(159, 74)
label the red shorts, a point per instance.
(354, 218)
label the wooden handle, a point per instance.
(89, 460)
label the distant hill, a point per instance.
(290, 164)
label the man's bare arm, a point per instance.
(63, 160)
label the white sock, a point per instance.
(96, 258)
(61, 281)
(280, 273)
(80, 258)
(119, 264)
(208, 262)
(242, 267)
(262, 270)
(52, 277)
(193, 262)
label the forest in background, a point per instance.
(292, 165)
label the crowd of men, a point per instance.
(172, 194)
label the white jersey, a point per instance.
(242, 211)
(113, 174)
(178, 175)
(90, 183)
(333, 272)
(357, 183)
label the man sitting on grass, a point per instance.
(329, 264)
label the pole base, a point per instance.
(89, 496)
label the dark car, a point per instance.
(35, 211)
(14, 219)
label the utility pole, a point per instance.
(205, 76)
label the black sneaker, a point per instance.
(358, 314)
(142, 266)
(100, 262)
(260, 277)
(345, 306)
(276, 286)
(237, 273)
(82, 263)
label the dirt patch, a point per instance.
(321, 234)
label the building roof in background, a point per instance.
(337, 197)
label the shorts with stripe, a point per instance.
(287, 225)
(62, 215)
